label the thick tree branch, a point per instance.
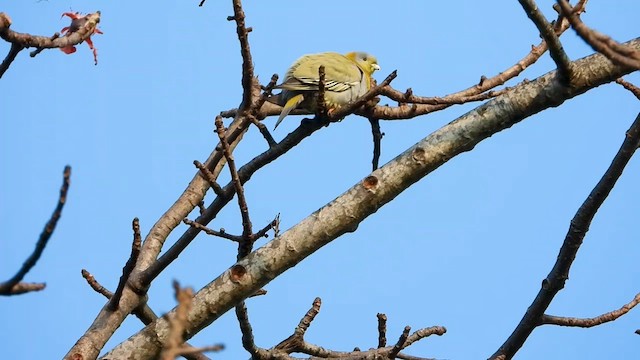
(348, 210)
(13, 285)
(554, 282)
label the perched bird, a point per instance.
(347, 77)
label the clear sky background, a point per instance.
(465, 248)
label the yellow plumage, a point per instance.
(347, 77)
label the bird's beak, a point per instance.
(375, 67)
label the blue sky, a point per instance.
(466, 248)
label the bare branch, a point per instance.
(10, 287)
(549, 35)
(37, 51)
(248, 341)
(629, 86)
(554, 282)
(247, 61)
(174, 344)
(128, 267)
(618, 53)
(223, 234)
(246, 244)
(590, 322)
(95, 285)
(382, 330)
(321, 103)
(201, 207)
(13, 52)
(377, 142)
(400, 344)
(209, 176)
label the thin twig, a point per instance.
(201, 207)
(212, 232)
(578, 228)
(549, 35)
(377, 142)
(400, 344)
(629, 86)
(95, 285)
(294, 343)
(128, 267)
(244, 248)
(590, 322)
(37, 51)
(382, 330)
(321, 101)
(254, 111)
(7, 287)
(13, 52)
(248, 341)
(208, 175)
(177, 323)
(247, 61)
(618, 53)
(343, 111)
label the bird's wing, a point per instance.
(341, 73)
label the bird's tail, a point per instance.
(288, 107)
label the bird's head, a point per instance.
(367, 62)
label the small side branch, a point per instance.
(555, 281)
(296, 343)
(13, 52)
(629, 86)
(550, 37)
(177, 323)
(618, 53)
(223, 234)
(208, 175)
(400, 344)
(368, 96)
(13, 286)
(254, 111)
(247, 61)
(377, 142)
(382, 330)
(322, 104)
(128, 267)
(590, 322)
(245, 246)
